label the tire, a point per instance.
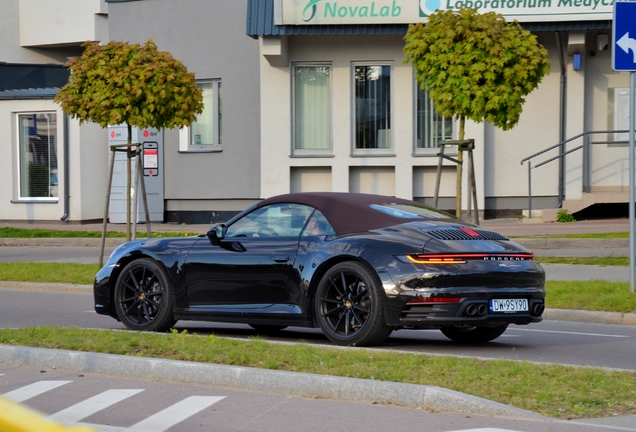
(473, 334)
(350, 304)
(264, 328)
(143, 297)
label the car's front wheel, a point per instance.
(142, 297)
(350, 305)
(473, 334)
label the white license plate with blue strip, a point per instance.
(508, 305)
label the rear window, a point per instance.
(411, 211)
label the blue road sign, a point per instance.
(624, 36)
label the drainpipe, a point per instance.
(67, 186)
(562, 114)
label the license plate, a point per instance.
(508, 305)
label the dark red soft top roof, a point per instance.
(347, 212)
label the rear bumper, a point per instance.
(472, 310)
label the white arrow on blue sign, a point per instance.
(624, 36)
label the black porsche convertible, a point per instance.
(358, 266)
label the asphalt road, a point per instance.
(603, 345)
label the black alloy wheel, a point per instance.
(142, 297)
(350, 305)
(473, 334)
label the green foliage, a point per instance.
(564, 216)
(476, 66)
(130, 83)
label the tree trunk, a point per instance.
(460, 158)
(127, 192)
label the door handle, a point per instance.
(279, 258)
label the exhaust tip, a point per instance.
(476, 309)
(471, 310)
(538, 308)
(482, 309)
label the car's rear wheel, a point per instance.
(350, 305)
(473, 334)
(142, 297)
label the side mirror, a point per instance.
(216, 234)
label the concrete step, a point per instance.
(572, 206)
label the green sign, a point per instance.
(299, 12)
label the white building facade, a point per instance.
(49, 168)
(325, 63)
(306, 95)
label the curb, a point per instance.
(87, 242)
(570, 243)
(45, 286)
(294, 383)
(590, 316)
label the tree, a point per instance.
(475, 66)
(133, 84)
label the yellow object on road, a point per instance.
(16, 418)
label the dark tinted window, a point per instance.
(284, 220)
(318, 226)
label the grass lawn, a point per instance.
(552, 390)
(619, 260)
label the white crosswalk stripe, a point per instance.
(32, 390)
(73, 415)
(174, 414)
(92, 405)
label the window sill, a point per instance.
(201, 150)
(432, 153)
(36, 201)
(311, 155)
(372, 154)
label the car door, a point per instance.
(250, 267)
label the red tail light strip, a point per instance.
(462, 258)
(434, 300)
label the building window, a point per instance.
(372, 115)
(37, 137)
(431, 126)
(312, 109)
(205, 134)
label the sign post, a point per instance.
(624, 59)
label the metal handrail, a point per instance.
(584, 146)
